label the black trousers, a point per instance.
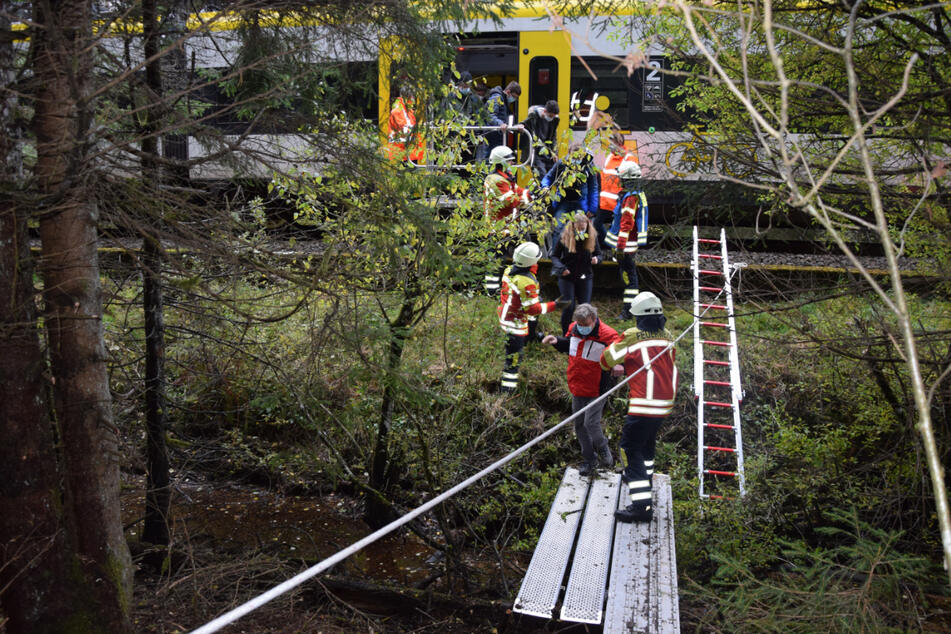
(638, 444)
(514, 344)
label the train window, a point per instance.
(543, 84)
(235, 101)
(637, 102)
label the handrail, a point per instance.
(243, 609)
(519, 128)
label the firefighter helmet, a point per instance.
(630, 172)
(501, 154)
(526, 254)
(646, 303)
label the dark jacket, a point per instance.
(545, 135)
(578, 263)
(586, 189)
(497, 113)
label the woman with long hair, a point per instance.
(572, 262)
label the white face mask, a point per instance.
(548, 117)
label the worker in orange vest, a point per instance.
(402, 129)
(618, 158)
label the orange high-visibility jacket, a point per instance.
(610, 182)
(402, 123)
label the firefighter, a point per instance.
(519, 301)
(618, 158)
(584, 341)
(628, 231)
(647, 350)
(402, 129)
(502, 199)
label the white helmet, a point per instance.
(501, 154)
(646, 303)
(630, 171)
(526, 254)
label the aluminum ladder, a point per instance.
(717, 371)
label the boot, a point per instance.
(634, 513)
(587, 467)
(605, 458)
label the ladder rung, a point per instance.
(715, 343)
(708, 272)
(714, 324)
(710, 256)
(718, 426)
(719, 306)
(723, 473)
(711, 448)
(712, 289)
(712, 362)
(718, 497)
(708, 240)
(717, 404)
(724, 383)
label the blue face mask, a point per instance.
(584, 331)
(510, 98)
(465, 91)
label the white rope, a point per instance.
(235, 614)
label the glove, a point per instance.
(562, 303)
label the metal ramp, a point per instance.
(643, 584)
(717, 370)
(641, 591)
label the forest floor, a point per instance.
(234, 541)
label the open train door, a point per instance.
(544, 67)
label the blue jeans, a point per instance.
(576, 290)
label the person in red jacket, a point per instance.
(586, 339)
(618, 159)
(502, 199)
(519, 302)
(646, 351)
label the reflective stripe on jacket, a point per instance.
(502, 195)
(652, 391)
(630, 214)
(520, 300)
(610, 182)
(584, 358)
(401, 124)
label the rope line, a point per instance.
(233, 615)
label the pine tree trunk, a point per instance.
(36, 594)
(72, 294)
(157, 495)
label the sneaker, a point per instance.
(625, 315)
(634, 514)
(586, 468)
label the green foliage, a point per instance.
(859, 582)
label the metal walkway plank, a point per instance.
(542, 582)
(584, 596)
(642, 590)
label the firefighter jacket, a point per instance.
(585, 190)
(503, 196)
(585, 375)
(520, 300)
(610, 183)
(402, 124)
(630, 215)
(653, 388)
